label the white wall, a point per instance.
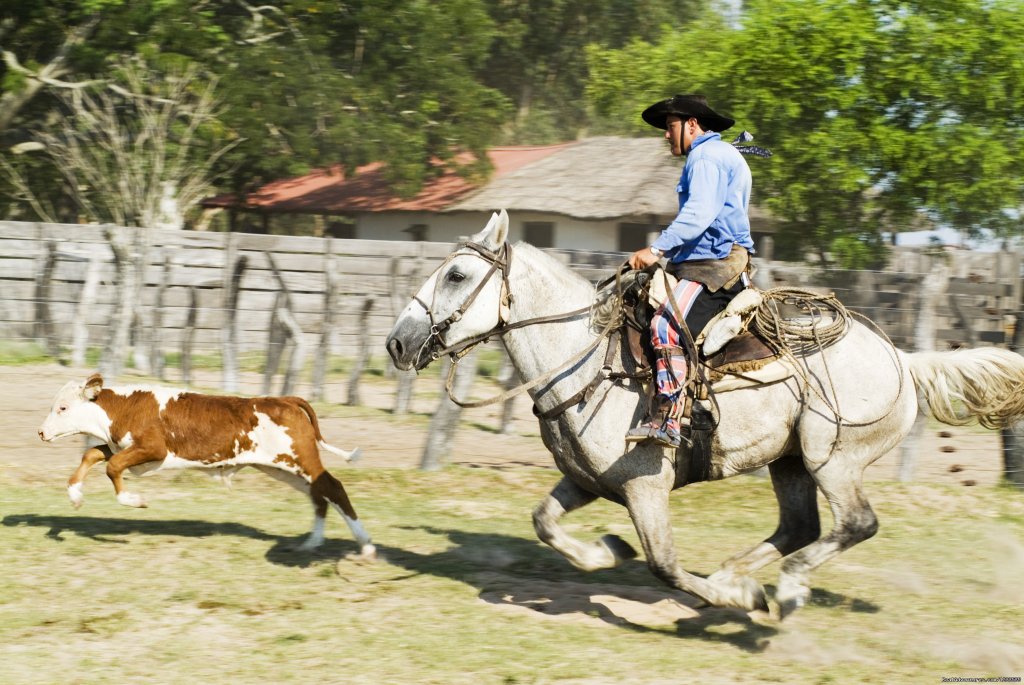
(570, 234)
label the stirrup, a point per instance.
(655, 431)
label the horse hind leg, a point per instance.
(608, 552)
(855, 522)
(799, 523)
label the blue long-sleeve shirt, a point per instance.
(714, 193)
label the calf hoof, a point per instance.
(130, 499)
(368, 552)
(75, 495)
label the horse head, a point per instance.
(461, 302)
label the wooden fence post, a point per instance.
(1013, 436)
(125, 286)
(86, 302)
(931, 290)
(327, 327)
(277, 338)
(45, 331)
(362, 356)
(446, 417)
(406, 379)
(156, 351)
(289, 329)
(187, 335)
(233, 268)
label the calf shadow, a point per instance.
(113, 530)
(109, 529)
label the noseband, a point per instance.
(498, 260)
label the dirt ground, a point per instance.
(968, 456)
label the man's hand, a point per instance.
(641, 259)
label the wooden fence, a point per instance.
(49, 272)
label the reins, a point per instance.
(501, 260)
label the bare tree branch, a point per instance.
(11, 102)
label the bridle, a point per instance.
(501, 260)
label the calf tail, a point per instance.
(306, 407)
(984, 384)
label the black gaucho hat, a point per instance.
(686, 106)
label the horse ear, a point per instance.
(495, 233)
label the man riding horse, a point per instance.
(707, 247)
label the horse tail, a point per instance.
(984, 384)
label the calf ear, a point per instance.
(93, 385)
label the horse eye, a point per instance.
(62, 408)
(456, 276)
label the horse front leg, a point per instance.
(648, 502)
(608, 552)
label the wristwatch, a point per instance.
(655, 251)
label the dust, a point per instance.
(1007, 567)
(797, 644)
(986, 656)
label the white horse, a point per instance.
(788, 426)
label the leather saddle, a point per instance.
(736, 346)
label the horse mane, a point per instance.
(546, 262)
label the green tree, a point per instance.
(303, 83)
(879, 112)
(538, 60)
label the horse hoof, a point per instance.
(742, 592)
(790, 596)
(622, 550)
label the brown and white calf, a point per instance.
(150, 429)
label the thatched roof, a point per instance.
(594, 178)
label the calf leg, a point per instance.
(327, 488)
(799, 524)
(92, 456)
(132, 456)
(647, 499)
(303, 485)
(608, 552)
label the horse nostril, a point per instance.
(395, 348)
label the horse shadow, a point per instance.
(523, 573)
(506, 570)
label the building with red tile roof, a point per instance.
(604, 194)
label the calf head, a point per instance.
(75, 411)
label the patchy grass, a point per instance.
(203, 587)
(16, 353)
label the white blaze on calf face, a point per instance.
(73, 413)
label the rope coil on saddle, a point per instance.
(826, 320)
